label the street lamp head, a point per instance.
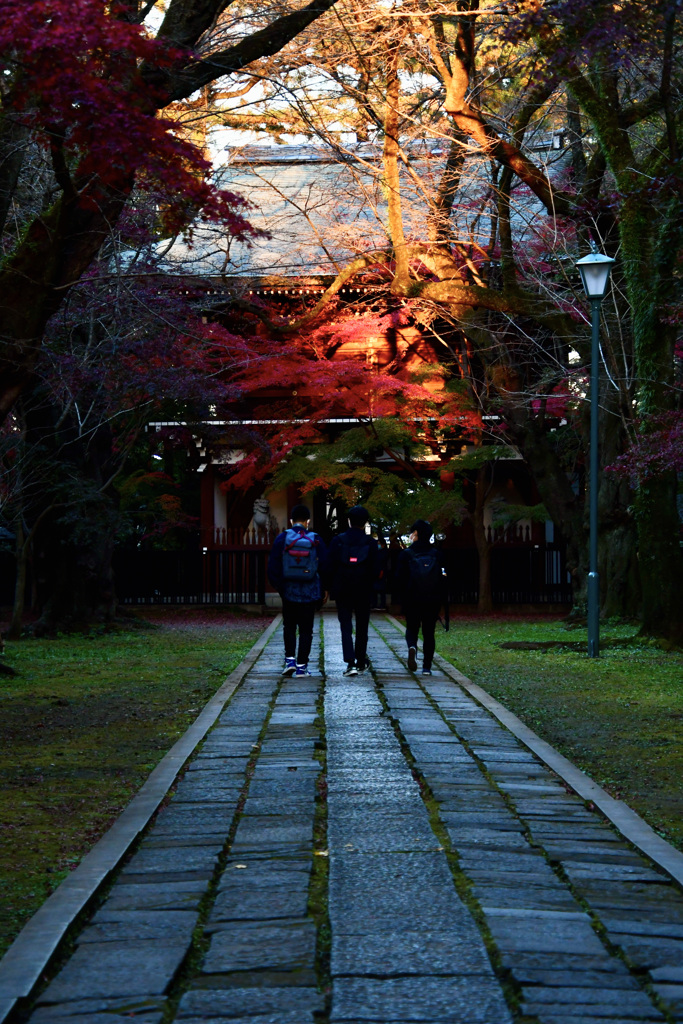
(595, 270)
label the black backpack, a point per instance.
(354, 560)
(426, 578)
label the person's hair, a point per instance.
(358, 516)
(300, 514)
(422, 528)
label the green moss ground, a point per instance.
(81, 727)
(618, 717)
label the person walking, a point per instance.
(421, 580)
(354, 568)
(380, 601)
(297, 564)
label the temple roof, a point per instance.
(318, 207)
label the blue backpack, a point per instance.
(300, 556)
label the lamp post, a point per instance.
(595, 271)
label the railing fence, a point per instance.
(519, 575)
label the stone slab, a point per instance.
(523, 960)
(544, 936)
(669, 974)
(279, 1017)
(626, 1000)
(116, 969)
(603, 1012)
(471, 839)
(554, 1015)
(381, 833)
(235, 1002)
(158, 861)
(260, 905)
(467, 1000)
(207, 790)
(671, 994)
(253, 870)
(621, 872)
(651, 951)
(522, 862)
(180, 840)
(101, 1011)
(155, 895)
(391, 953)
(194, 819)
(530, 897)
(614, 976)
(663, 929)
(258, 947)
(175, 926)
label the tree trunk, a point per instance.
(485, 598)
(564, 506)
(660, 556)
(649, 256)
(620, 590)
(73, 515)
(620, 593)
(22, 551)
(75, 579)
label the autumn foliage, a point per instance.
(75, 73)
(297, 389)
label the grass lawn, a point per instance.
(619, 717)
(81, 727)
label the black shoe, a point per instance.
(366, 666)
(350, 670)
(412, 659)
(426, 671)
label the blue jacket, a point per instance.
(294, 590)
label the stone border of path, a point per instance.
(31, 951)
(630, 824)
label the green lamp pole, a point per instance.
(595, 271)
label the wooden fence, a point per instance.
(521, 574)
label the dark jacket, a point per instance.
(295, 590)
(339, 587)
(404, 585)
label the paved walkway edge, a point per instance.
(630, 824)
(29, 954)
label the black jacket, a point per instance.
(404, 585)
(364, 586)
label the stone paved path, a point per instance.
(377, 849)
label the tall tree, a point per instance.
(499, 226)
(87, 80)
(124, 347)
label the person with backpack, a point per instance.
(380, 600)
(296, 566)
(354, 568)
(421, 579)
